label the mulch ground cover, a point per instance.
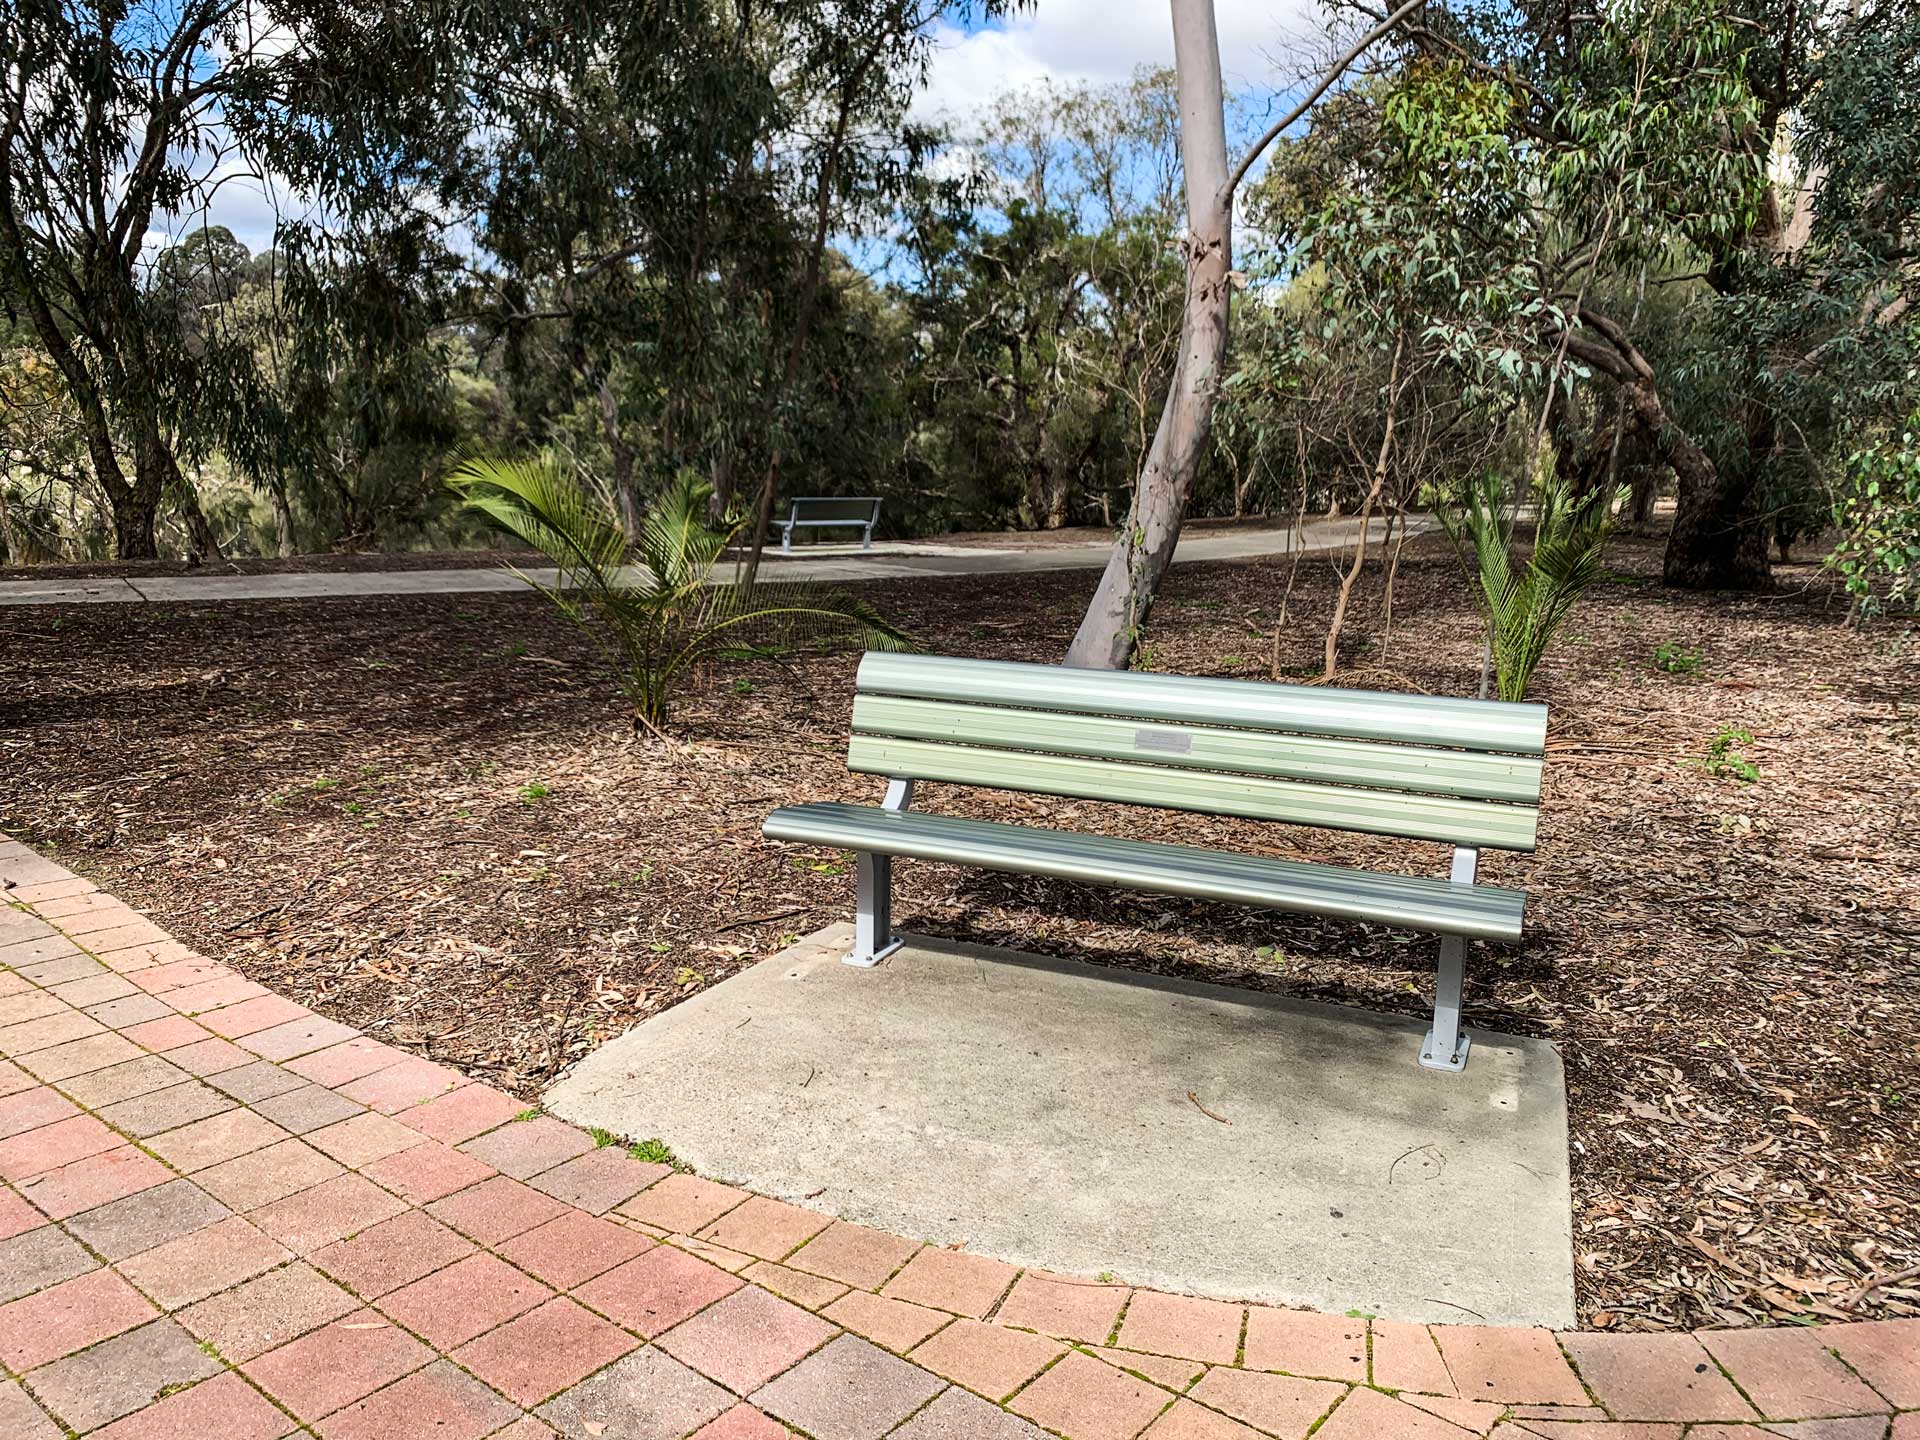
(427, 817)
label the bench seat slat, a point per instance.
(1490, 725)
(1481, 912)
(1477, 823)
(1462, 774)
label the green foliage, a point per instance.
(1526, 602)
(1877, 509)
(657, 1152)
(1727, 757)
(1671, 658)
(650, 603)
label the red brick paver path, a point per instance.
(223, 1217)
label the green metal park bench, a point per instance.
(818, 512)
(1461, 772)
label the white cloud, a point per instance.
(1096, 41)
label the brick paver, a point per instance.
(1090, 1401)
(121, 1375)
(264, 1314)
(464, 1113)
(683, 1204)
(197, 1214)
(572, 1248)
(225, 1406)
(849, 1391)
(1789, 1374)
(326, 1213)
(896, 1324)
(1182, 1325)
(1655, 1377)
(441, 1401)
(525, 1148)
(656, 1291)
(383, 1257)
(855, 1255)
(1060, 1305)
(1510, 1366)
(1886, 1353)
(1275, 1404)
(67, 1317)
(988, 1359)
(205, 1262)
(309, 1108)
(334, 1366)
(798, 1286)
(953, 1280)
(150, 1218)
(647, 1396)
(37, 1258)
(1302, 1343)
(541, 1353)
(496, 1209)
(746, 1339)
(97, 1180)
(466, 1299)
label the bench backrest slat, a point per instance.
(820, 509)
(1461, 774)
(1466, 772)
(1236, 704)
(1253, 797)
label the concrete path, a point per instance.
(224, 1217)
(823, 562)
(1037, 1110)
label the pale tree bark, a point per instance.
(1110, 630)
(620, 450)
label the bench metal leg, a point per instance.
(873, 937)
(1446, 1045)
(786, 540)
(866, 542)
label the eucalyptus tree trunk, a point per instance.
(1111, 627)
(203, 541)
(284, 544)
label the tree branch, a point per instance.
(1334, 72)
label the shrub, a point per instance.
(1526, 603)
(1877, 507)
(651, 602)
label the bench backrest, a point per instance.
(834, 509)
(1466, 772)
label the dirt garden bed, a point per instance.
(425, 816)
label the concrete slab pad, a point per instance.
(1038, 1111)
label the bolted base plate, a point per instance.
(867, 962)
(1435, 1061)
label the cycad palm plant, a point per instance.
(650, 601)
(1526, 602)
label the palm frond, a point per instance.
(651, 603)
(1525, 607)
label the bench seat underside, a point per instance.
(1479, 912)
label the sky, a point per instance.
(1065, 41)
(1097, 41)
